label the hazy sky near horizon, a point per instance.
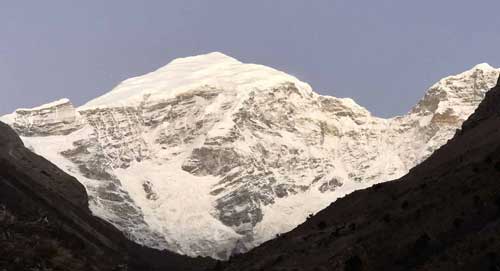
(384, 54)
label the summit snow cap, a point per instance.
(214, 70)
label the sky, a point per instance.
(384, 54)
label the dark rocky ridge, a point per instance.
(443, 215)
(45, 223)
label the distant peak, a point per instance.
(455, 93)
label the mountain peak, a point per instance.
(455, 93)
(243, 150)
(215, 69)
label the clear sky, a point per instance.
(383, 53)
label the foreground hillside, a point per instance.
(443, 215)
(45, 222)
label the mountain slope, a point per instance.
(443, 215)
(45, 223)
(211, 156)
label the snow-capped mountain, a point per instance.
(210, 156)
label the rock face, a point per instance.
(210, 156)
(45, 222)
(443, 215)
(57, 118)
